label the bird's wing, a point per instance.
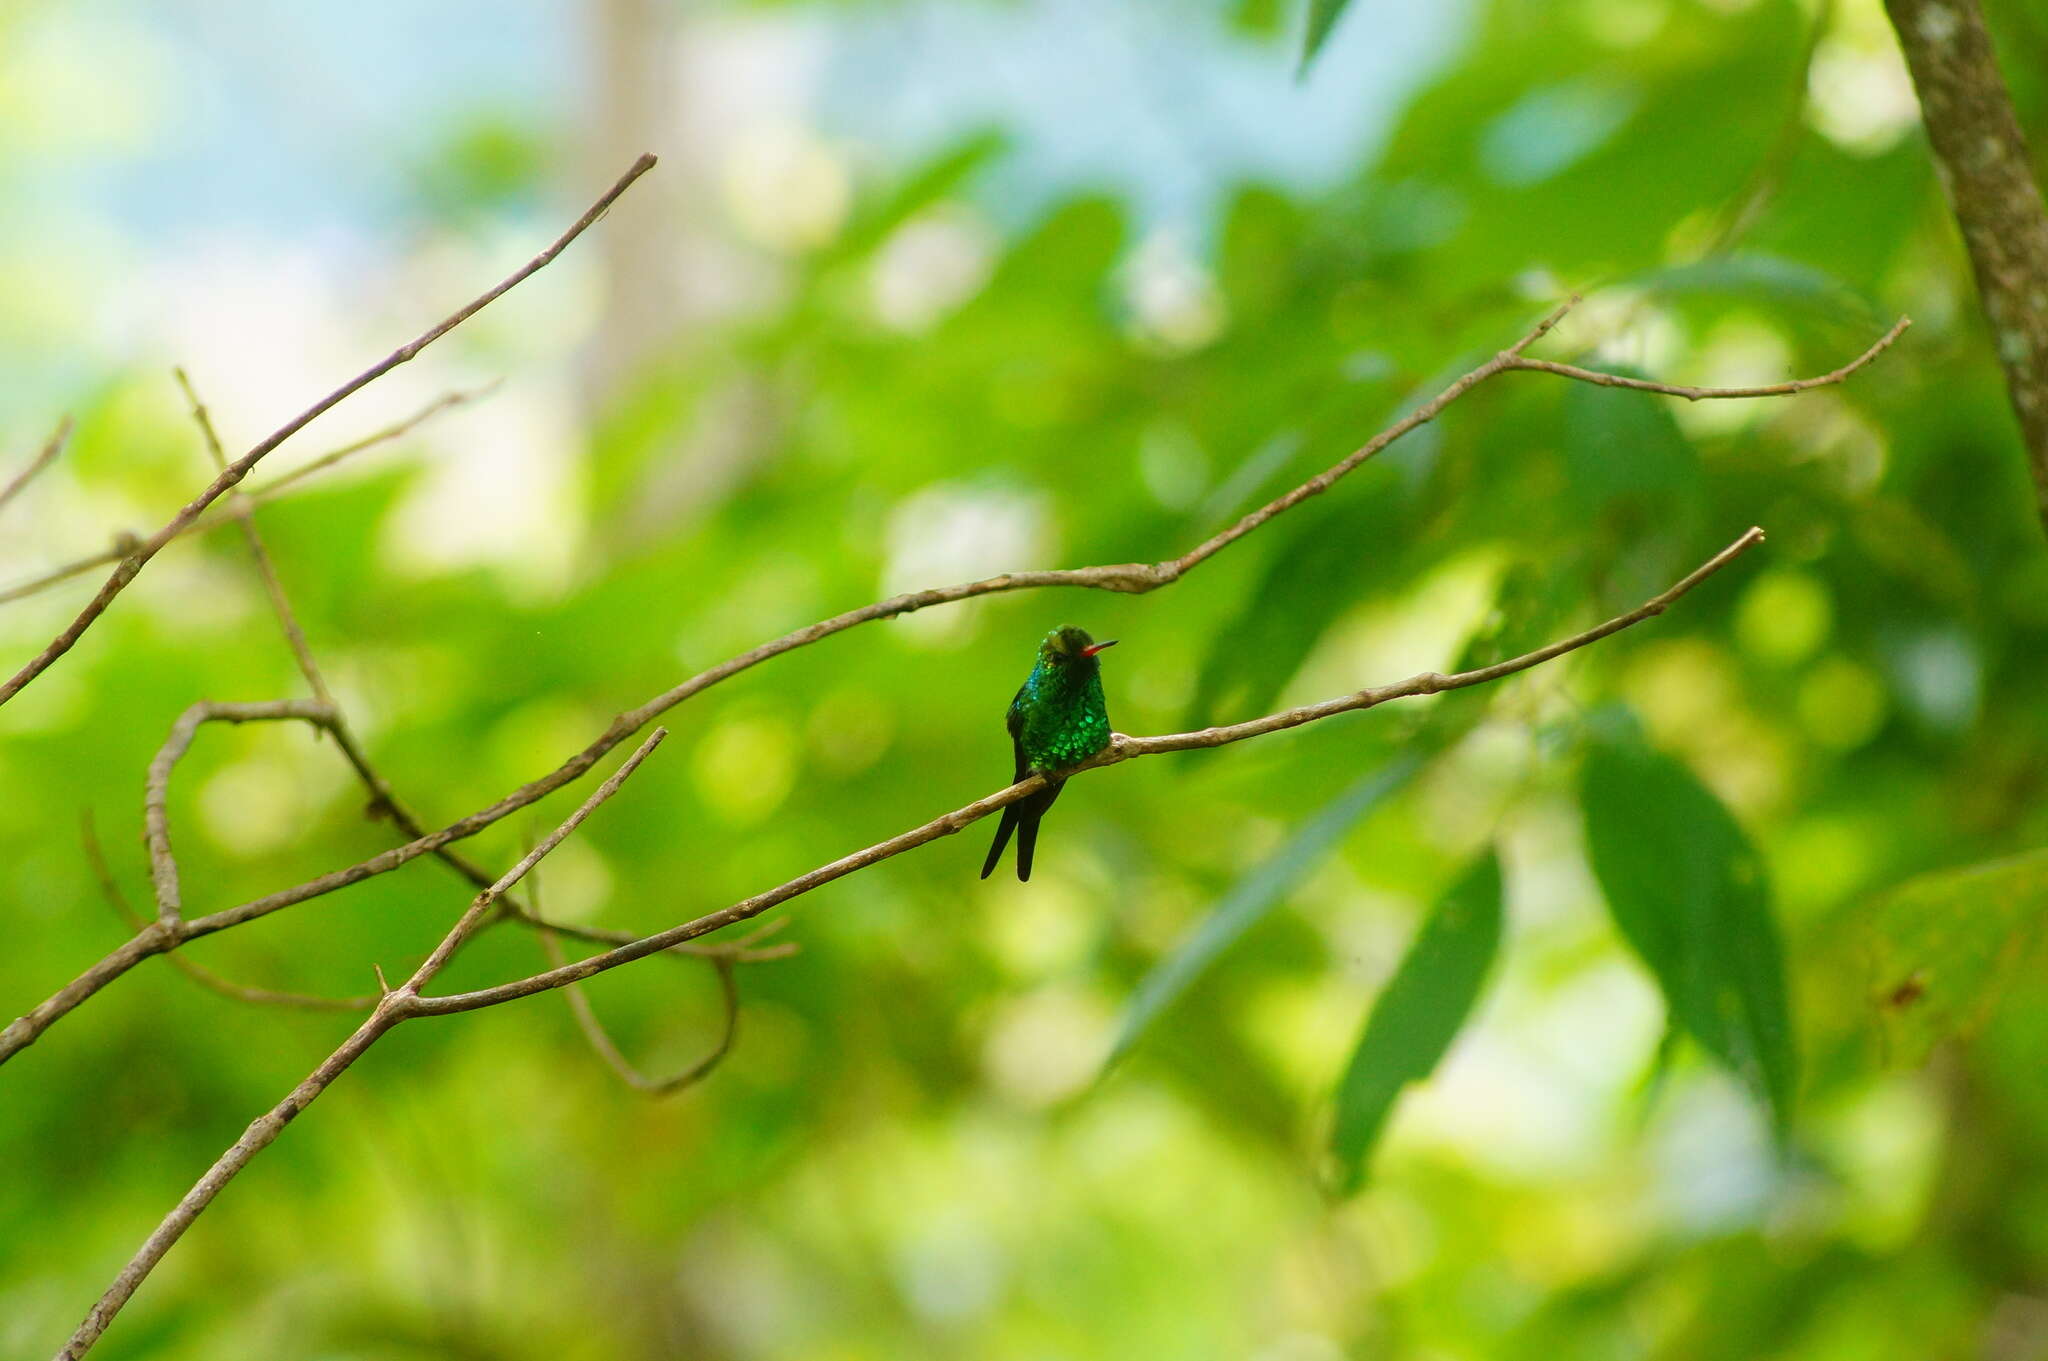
(1014, 720)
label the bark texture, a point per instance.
(1982, 158)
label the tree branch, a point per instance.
(383, 799)
(392, 1008)
(407, 1000)
(1121, 748)
(263, 495)
(134, 561)
(1987, 171)
(602, 1044)
(1129, 578)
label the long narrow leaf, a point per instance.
(1689, 894)
(1417, 1015)
(1253, 896)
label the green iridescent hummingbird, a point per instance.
(1057, 721)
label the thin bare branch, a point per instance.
(406, 1001)
(258, 1136)
(1696, 394)
(243, 512)
(277, 486)
(392, 1008)
(1121, 748)
(241, 508)
(134, 562)
(121, 547)
(110, 889)
(608, 1052)
(262, 495)
(51, 448)
(1130, 578)
(1134, 578)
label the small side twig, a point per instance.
(741, 951)
(272, 490)
(243, 511)
(1700, 394)
(51, 448)
(110, 889)
(607, 1050)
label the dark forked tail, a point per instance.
(1022, 818)
(1003, 830)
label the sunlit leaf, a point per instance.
(1418, 1014)
(1945, 947)
(1255, 895)
(1689, 894)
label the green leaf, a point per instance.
(1690, 896)
(1253, 896)
(1945, 947)
(1322, 17)
(1327, 565)
(1418, 1014)
(1622, 446)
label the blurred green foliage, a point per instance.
(909, 1154)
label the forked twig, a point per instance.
(394, 1007)
(48, 455)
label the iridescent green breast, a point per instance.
(1060, 721)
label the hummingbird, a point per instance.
(1057, 721)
